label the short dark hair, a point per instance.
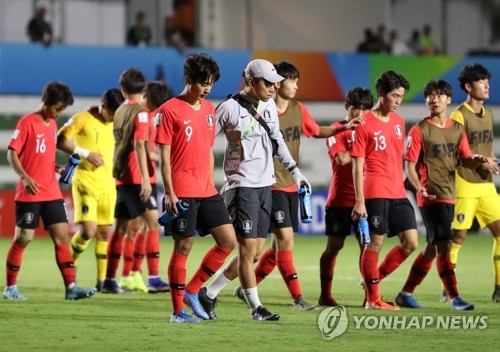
(157, 93)
(132, 81)
(287, 70)
(112, 99)
(390, 80)
(438, 86)
(471, 73)
(200, 68)
(360, 98)
(56, 92)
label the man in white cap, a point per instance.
(249, 169)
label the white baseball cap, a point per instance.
(263, 69)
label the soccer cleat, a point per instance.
(77, 293)
(208, 303)
(125, 283)
(496, 294)
(380, 304)
(444, 297)
(191, 299)
(12, 293)
(136, 283)
(458, 303)
(110, 286)
(407, 301)
(300, 303)
(98, 285)
(156, 285)
(238, 292)
(261, 313)
(327, 301)
(183, 317)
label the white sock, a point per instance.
(252, 297)
(217, 284)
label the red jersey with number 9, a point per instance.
(381, 144)
(35, 143)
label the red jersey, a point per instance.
(191, 135)
(437, 157)
(341, 192)
(141, 132)
(35, 143)
(381, 144)
(153, 120)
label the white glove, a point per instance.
(299, 178)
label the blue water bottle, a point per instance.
(165, 218)
(364, 231)
(69, 169)
(305, 204)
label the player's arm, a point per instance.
(328, 131)
(359, 209)
(343, 158)
(28, 182)
(142, 160)
(166, 173)
(411, 170)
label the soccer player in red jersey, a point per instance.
(132, 170)
(436, 145)
(377, 151)
(341, 197)
(32, 155)
(139, 242)
(186, 135)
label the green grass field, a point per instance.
(140, 322)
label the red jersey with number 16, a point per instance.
(35, 143)
(381, 144)
(191, 135)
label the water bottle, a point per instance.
(364, 231)
(165, 218)
(305, 204)
(69, 169)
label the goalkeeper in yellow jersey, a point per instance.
(475, 191)
(90, 135)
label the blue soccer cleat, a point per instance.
(77, 293)
(110, 286)
(191, 299)
(406, 301)
(459, 304)
(156, 285)
(12, 294)
(183, 317)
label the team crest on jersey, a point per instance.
(247, 225)
(375, 221)
(85, 209)
(210, 120)
(266, 115)
(460, 217)
(399, 130)
(279, 216)
(28, 218)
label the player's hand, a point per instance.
(359, 211)
(425, 195)
(354, 123)
(30, 185)
(171, 204)
(299, 178)
(146, 191)
(95, 159)
(490, 165)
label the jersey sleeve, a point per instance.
(164, 131)
(73, 126)
(309, 126)
(141, 126)
(457, 116)
(464, 148)
(359, 142)
(413, 145)
(18, 139)
(337, 144)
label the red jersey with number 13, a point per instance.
(381, 144)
